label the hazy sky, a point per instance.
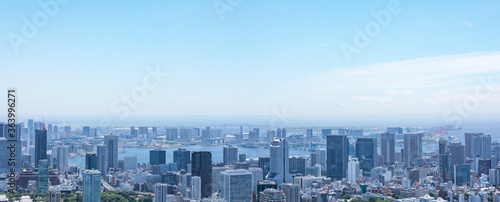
(256, 57)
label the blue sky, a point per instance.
(261, 57)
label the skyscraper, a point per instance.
(283, 133)
(62, 158)
(230, 155)
(86, 131)
(91, 187)
(297, 164)
(91, 161)
(102, 159)
(444, 161)
(462, 174)
(353, 170)
(111, 142)
(43, 176)
(291, 191)
(195, 188)
(337, 156)
(264, 164)
(457, 151)
(182, 158)
(157, 157)
(30, 133)
(366, 151)
(130, 163)
(6, 144)
(309, 134)
(201, 163)
(469, 144)
(387, 147)
(279, 167)
(237, 185)
(257, 175)
(40, 145)
(412, 148)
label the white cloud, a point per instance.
(420, 85)
(467, 23)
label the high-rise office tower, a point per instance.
(291, 191)
(412, 148)
(133, 131)
(130, 163)
(270, 134)
(462, 174)
(62, 158)
(230, 155)
(102, 159)
(257, 175)
(182, 158)
(279, 162)
(67, 130)
(326, 132)
(86, 131)
(40, 145)
(484, 166)
(366, 151)
(186, 133)
(444, 161)
(309, 135)
(283, 133)
(353, 170)
(154, 130)
(278, 133)
(143, 130)
(111, 142)
(157, 157)
(56, 129)
(49, 129)
(387, 148)
(242, 157)
(91, 161)
(337, 156)
(30, 133)
(297, 164)
(457, 151)
(237, 185)
(201, 165)
(485, 147)
(469, 144)
(195, 188)
(172, 133)
(91, 187)
(43, 176)
(264, 164)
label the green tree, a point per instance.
(346, 196)
(146, 199)
(373, 199)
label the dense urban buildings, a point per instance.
(324, 169)
(337, 156)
